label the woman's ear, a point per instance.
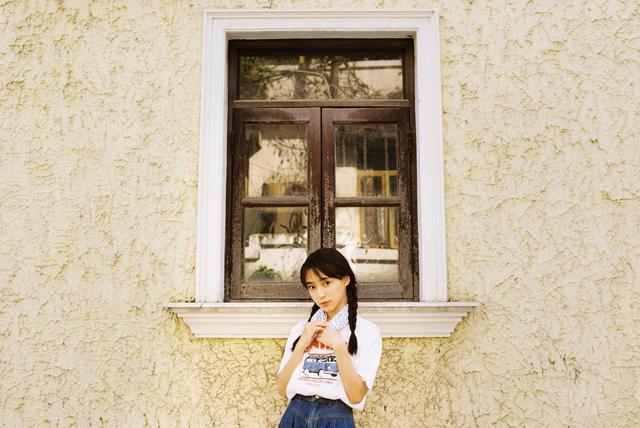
(346, 280)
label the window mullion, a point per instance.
(328, 180)
(315, 180)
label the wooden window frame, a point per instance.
(321, 179)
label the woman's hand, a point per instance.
(310, 332)
(330, 337)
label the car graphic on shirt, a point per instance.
(322, 365)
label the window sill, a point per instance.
(275, 319)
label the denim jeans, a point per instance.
(316, 412)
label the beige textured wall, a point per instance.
(99, 133)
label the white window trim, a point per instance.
(220, 26)
(275, 319)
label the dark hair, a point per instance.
(333, 264)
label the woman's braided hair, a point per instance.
(332, 263)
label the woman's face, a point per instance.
(328, 293)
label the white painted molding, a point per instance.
(264, 320)
(220, 26)
(315, 14)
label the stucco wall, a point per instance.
(99, 131)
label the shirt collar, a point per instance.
(339, 320)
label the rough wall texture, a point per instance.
(99, 133)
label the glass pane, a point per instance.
(372, 75)
(275, 243)
(366, 162)
(368, 238)
(276, 156)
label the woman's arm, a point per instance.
(307, 336)
(284, 376)
(354, 386)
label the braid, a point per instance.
(314, 309)
(352, 296)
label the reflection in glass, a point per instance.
(374, 75)
(368, 238)
(276, 159)
(275, 243)
(366, 163)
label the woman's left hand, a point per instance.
(330, 337)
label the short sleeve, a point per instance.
(295, 332)
(367, 359)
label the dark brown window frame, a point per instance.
(321, 114)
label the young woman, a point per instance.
(330, 360)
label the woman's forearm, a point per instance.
(354, 386)
(284, 376)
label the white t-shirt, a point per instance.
(318, 374)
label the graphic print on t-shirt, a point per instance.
(319, 366)
(322, 365)
(316, 344)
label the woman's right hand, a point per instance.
(309, 333)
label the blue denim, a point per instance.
(317, 412)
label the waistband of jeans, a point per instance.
(317, 399)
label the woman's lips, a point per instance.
(324, 303)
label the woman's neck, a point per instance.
(330, 316)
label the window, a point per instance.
(213, 268)
(320, 155)
(213, 314)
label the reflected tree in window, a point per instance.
(372, 76)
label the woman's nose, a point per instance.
(320, 292)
